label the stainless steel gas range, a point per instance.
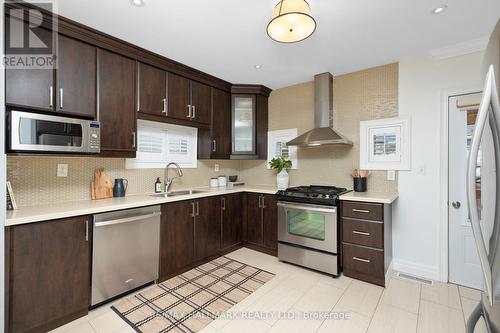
(308, 233)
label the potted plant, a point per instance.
(281, 165)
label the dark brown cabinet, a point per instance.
(231, 219)
(47, 270)
(116, 104)
(188, 99)
(207, 227)
(151, 90)
(76, 78)
(176, 237)
(249, 122)
(261, 221)
(201, 102)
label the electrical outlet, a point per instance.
(391, 175)
(62, 170)
(216, 168)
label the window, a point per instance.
(159, 144)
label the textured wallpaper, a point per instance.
(364, 95)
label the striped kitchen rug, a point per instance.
(190, 301)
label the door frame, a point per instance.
(443, 249)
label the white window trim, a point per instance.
(148, 161)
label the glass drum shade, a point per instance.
(291, 21)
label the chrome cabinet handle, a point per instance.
(361, 233)
(366, 261)
(189, 111)
(51, 96)
(164, 106)
(193, 115)
(197, 208)
(133, 139)
(260, 205)
(61, 97)
(193, 214)
(86, 230)
(223, 201)
(360, 210)
(214, 146)
(263, 201)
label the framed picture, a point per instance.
(276, 145)
(385, 144)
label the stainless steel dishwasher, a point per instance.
(125, 251)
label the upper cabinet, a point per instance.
(116, 104)
(201, 102)
(70, 88)
(151, 90)
(249, 122)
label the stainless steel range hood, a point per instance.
(322, 133)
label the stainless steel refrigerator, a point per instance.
(483, 184)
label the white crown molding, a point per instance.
(459, 49)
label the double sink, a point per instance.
(176, 193)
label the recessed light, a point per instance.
(440, 9)
(257, 66)
(138, 3)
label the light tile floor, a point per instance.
(405, 306)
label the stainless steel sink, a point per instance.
(176, 193)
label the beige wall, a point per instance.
(363, 95)
(35, 182)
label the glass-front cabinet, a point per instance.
(244, 125)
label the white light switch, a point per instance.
(391, 175)
(216, 168)
(62, 170)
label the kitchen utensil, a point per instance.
(233, 179)
(120, 187)
(359, 184)
(101, 187)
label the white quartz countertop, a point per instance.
(369, 196)
(31, 214)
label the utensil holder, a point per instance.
(359, 184)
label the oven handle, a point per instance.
(307, 208)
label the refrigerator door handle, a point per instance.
(489, 96)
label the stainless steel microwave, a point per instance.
(33, 132)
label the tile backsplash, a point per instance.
(34, 179)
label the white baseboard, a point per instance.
(388, 274)
(419, 270)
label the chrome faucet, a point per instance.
(168, 180)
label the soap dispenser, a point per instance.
(158, 185)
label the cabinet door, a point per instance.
(151, 90)
(116, 107)
(261, 124)
(231, 207)
(178, 97)
(221, 125)
(76, 78)
(201, 101)
(270, 222)
(176, 237)
(32, 88)
(48, 274)
(207, 227)
(254, 219)
(243, 125)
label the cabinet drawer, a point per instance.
(363, 259)
(361, 232)
(363, 210)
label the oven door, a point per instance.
(312, 226)
(39, 132)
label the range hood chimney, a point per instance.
(322, 133)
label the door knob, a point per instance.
(456, 204)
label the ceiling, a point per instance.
(226, 38)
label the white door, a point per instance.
(464, 266)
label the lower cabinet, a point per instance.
(231, 219)
(47, 274)
(207, 227)
(262, 221)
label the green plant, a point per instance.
(280, 163)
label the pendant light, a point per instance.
(291, 21)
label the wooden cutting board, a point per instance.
(101, 187)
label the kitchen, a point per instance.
(91, 244)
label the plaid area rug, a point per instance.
(190, 301)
